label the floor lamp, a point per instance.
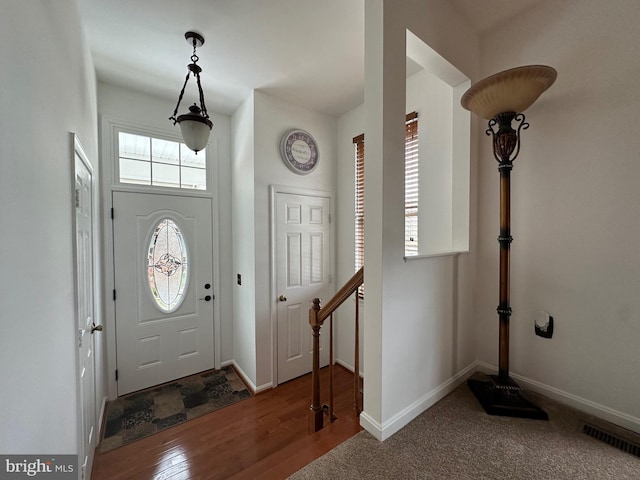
(501, 99)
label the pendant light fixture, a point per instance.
(195, 126)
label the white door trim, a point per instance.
(109, 126)
(79, 152)
(273, 191)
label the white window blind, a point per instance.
(359, 205)
(411, 160)
(410, 196)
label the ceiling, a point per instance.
(307, 52)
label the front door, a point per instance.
(163, 261)
(302, 274)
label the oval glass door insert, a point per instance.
(167, 267)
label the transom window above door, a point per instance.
(144, 160)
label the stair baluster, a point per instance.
(317, 316)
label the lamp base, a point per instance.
(505, 398)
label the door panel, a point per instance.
(302, 274)
(158, 340)
(84, 291)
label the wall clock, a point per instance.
(299, 151)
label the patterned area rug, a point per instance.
(140, 414)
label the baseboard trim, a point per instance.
(250, 385)
(371, 425)
(348, 366)
(404, 417)
(587, 406)
(264, 387)
(102, 419)
(247, 381)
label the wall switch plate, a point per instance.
(544, 325)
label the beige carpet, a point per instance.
(456, 439)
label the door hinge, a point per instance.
(116, 375)
(114, 294)
(112, 213)
(330, 278)
(77, 197)
(329, 218)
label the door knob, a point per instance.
(282, 298)
(96, 328)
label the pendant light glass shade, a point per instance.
(195, 129)
(512, 90)
(195, 126)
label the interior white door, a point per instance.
(303, 233)
(163, 280)
(84, 292)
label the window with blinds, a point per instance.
(359, 201)
(410, 191)
(411, 185)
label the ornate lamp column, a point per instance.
(500, 99)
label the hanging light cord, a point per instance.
(193, 67)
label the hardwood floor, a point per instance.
(264, 437)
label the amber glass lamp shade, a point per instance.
(512, 90)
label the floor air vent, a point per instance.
(613, 440)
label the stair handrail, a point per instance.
(339, 298)
(317, 317)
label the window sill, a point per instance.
(436, 254)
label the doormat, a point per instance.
(140, 414)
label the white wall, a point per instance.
(350, 125)
(575, 207)
(432, 99)
(243, 235)
(48, 90)
(444, 131)
(252, 138)
(419, 325)
(273, 118)
(258, 125)
(148, 113)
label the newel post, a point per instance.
(315, 417)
